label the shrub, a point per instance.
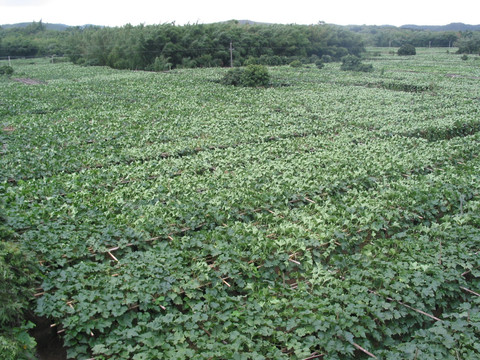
(161, 64)
(255, 75)
(327, 59)
(464, 57)
(251, 76)
(272, 60)
(233, 77)
(296, 63)
(407, 49)
(319, 64)
(353, 63)
(250, 61)
(350, 62)
(6, 70)
(18, 275)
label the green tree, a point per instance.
(406, 49)
(469, 43)
(354, 63)
(250, 76)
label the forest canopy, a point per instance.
(161, 47)
(166, 46)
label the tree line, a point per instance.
(31, 40)
(386, 36)
(160, 47)
(165, 46)
(467, 41)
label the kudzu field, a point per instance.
(331, 215)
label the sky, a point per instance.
(341, 12)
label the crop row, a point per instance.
(174, 217)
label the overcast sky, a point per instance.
(341, 12)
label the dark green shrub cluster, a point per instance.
(272, 60)
(354, 63)
(327, 59)
(6, 70)
(296, 63)
(233, 77)
(18, 276)
(469, 44)
(17, 280)
(319, 64)
(406, 49)
(250, 76)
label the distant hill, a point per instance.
(449, 27)
(246, 22)
(57, 27)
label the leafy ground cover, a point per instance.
(332, 215)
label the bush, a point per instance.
(350, 62)
(250, 61)
(251, 76)
(407, 49)
(255, 75)
(233, 77)
(464, 57)
(319, 64)
(18, 275)
(296, 63)
(272, 60)
(161, 64)
(353, 63)
(6, 70)
(327, 59)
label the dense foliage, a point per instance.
(6, 70)
(166, 46)
(202, 45)
(354, 63)
(18, 277)
(390, 36)
(178, 218)
(470, 44)
(406, 49)
(251, 75)
(31, 41)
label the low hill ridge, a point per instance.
(450, 27)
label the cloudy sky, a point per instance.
(342, 12)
